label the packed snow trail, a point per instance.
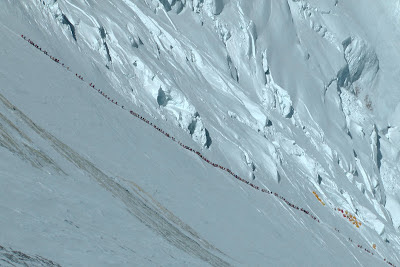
(117, 188)
(227, 170)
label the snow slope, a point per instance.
(294, 96)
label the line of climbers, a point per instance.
(185, 146)
(221, 167)
(370, 252)
(66, 67)
(350, 216)
(316, 195)
(358, 245)
(353, 219)
(367, 250)
(346, 214)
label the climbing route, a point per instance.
(316, 195)
(350, 216)
(266, 191)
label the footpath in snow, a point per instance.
(222, 168)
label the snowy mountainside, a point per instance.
(295, 96)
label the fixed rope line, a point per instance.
(227, 170)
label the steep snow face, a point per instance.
(295, 95)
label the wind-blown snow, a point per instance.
(295, 96)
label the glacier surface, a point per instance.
(295, 96)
